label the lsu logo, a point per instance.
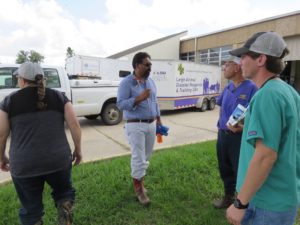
(244, 97)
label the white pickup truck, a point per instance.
(90, 97)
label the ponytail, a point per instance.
(41, 104)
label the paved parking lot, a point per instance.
(186, 126)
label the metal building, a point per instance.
(213, 48)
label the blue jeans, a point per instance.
(257, 216)
(30, 193)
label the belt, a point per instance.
(229, 132)
(140, 121)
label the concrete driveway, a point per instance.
(101, 142)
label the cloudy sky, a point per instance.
(104, 27)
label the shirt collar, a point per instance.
(135, 81)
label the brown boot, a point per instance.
(143, 185)
(65, 213)
(40, 222)
(140, 192)
(225, 202)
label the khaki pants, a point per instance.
(141, 138)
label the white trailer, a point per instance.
(97, 67)
(182, 84)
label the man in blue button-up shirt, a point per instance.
(137, 98)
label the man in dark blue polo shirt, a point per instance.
(237, 91)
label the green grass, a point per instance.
(182, 182)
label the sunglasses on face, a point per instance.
(147, 64)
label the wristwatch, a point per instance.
(237, 204)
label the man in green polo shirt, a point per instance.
(268, 182)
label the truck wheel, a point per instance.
(91, 117)
(111, 115)
(212, 104)
(204, 105)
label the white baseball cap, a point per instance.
(232, 58)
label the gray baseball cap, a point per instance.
(29, 70)
(267, 43)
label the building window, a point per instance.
(213, 55)
(203, 56)
(189, 56)
(225, 52)
(183, 56)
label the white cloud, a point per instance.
(45, 26)
(39, 25)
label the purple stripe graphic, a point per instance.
(185, 102)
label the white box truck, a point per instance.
(97, 67)
(182, 84)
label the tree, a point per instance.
(31, 56)
(22, 57)
(70, 52)
(36, 57)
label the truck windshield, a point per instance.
(52, 78)
(7, 80)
